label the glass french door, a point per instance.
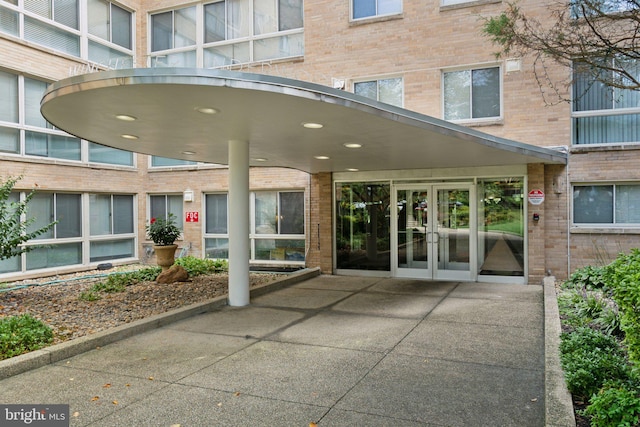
(434, 233)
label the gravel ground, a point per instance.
(58, 304)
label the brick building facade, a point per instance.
(421, 56)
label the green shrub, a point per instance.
(119, 282)
(616, 404)
(589, 277)
(22, 334)
(623, 274)
(198, 266)
(589, 358)
(89, 295)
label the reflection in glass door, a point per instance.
(433, 236)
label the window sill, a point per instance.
(62, 162)
(462, 5)
(374, 19)
(477, 123)
(604, 230)
(588, 148)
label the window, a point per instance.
(160, 206)
(277, 226)
(606, 204)
(369, 8)
(109, 22)
(66, 209)
(472, 94)
(56, 24)
(103, 154)
(363, 226)
(12, 264)
(383, 90)
(111, 215)
(157, 161)
(233, 32)
(594, 8)
(23, 129)
(603, 114)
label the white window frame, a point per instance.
(375, 15)
(471, 68)
(377, 81)
(602, 225)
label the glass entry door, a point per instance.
(434, 234)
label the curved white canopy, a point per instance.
(267, 112)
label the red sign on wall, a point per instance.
(192, 217)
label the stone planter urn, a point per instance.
(165, 255)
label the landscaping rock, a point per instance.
(175, 273)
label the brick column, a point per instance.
(320, 228)
(536, 229)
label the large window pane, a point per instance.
(102, 154)
(627, 204)
(41, 213)
(606, 129)
(123, 214)
(33, 91)
(279, 250)
(162, 205)
(265, 16)
(98, 18)
(214, 22)
(157, 161)
(266, 213)
(109, 57)
(65, 12)
(111, 249)
(486, 93)
(501, 226)
(100, 211)
(47, 35)
(593, 204)
(364, 8)
(8, 21)
(363, 226)
(216, 214)
(278, 47)
(55, 256)
(185, 27)
(46, 145)
(68, 215)
(9, 140)
(457, 95)
(238, 18)
(292, 213)
(219, 56)
(162, 31)
(216, 248)
(9, 98)
(290, 14)
(121, 26)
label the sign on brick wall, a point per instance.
(191, 217)
(536, 197)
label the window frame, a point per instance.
(471, 120)
(179, 219)
(376, 15)
(614, 208)
(612, 112)
(377, 83)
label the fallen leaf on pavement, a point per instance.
(107, 385)
(94, 398)
(76, 414)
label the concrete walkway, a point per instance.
(334, 350)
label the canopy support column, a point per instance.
(238, 223)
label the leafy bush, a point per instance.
(623, 274)
(589, 358)
(198, 266)
(589, 278)
(119, 282)
(616, 404)
(589, 308)
(22, 334)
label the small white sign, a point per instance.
(536, 197)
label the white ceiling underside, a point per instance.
(268, 113)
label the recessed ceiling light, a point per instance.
(322, 157)
(260, 159)
(126, 117)
(207, 110)
(189, 153)
(127, 136)
(352, 169)
(352, 145)
(311, 125)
